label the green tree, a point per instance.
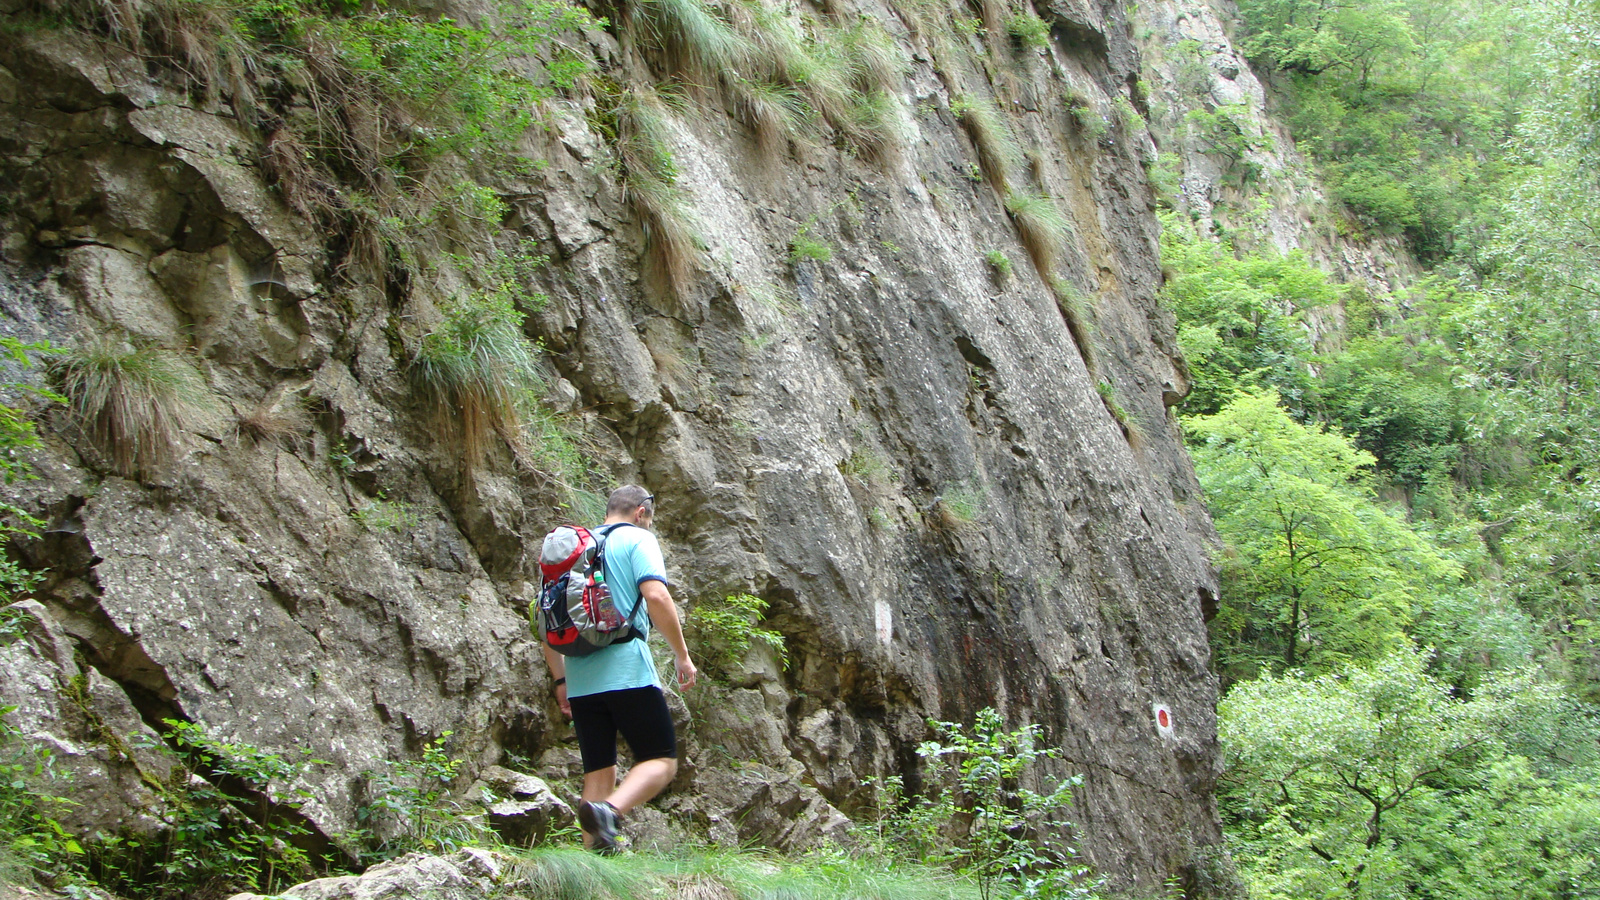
(1315, 571)
(1381, 782)
(1240, 320)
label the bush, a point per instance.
(730, 626)
(410, 807)
(980, 818)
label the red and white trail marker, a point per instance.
(1163, 717)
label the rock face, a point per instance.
(953, 491)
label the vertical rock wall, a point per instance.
(950, 498)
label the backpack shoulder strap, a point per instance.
(601, 534)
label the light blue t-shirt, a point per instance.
(633, 557)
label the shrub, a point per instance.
(218, 841)
(730, 626)
(476, 370)
(32, 842)
(384, 514)
(410, 807)
(133, 402)
(1030, 31)
(1041, 226)
(980, 818)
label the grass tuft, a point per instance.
(477, 370)
(134, 403)
(1076, 314)
(998, 152)
(1042, 227)
(696, 40)
(775, 112)
(650, 176)
(572, 874)
(1000, 263)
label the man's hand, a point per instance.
(687, 673)
(562, 701)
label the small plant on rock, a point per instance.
(731, 625)
(1000, 263)
(1030, 31)
(998, 152)
(981, 818)
(803, 247)
(411, 810)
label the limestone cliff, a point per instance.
(807, 422)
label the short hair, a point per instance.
(628, 498)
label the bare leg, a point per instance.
(597, 786)
(645, 780)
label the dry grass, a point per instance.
(1075, 313)
(672, 239)
(774, 112)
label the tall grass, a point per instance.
(134, 402)
(775, 112)
(695, 40)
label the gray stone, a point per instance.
(521, 808)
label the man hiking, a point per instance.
(616, 688)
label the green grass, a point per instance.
(1041, 226)
(133, 402)
(696, 40)
(775, 112)
(960, 506)
(1030, 31)
(804, 247)
(1001, 264)
(673, 247)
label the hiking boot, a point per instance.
(601, 820)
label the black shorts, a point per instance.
(640, 714)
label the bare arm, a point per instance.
(664, 618)
(558, 672)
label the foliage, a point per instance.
(1240, 319)
(17, 434)
(408, 807)
(980, 818)
(134, 402)
(1315, 572)
(216, 840)
(1001, 264)
(960, 506)
(32, 842)
(804, 247)
(1030, 31)
(1405, 103)
(728, 627)
(477, 370)
(1381, 782)
(383, 514)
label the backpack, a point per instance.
(575, 614)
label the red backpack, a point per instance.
(576, 615)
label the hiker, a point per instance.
(616, 688)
